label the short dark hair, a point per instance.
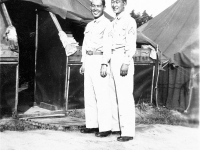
(103, 3)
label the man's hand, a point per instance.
(124, 70)
(103, 71)
(82, 69)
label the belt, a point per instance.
(94, 53)
(113, 49)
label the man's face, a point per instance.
(97, 8)
(118, 6)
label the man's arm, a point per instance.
(107, 44)
(84, 46)
(130, 46)
(131, 36)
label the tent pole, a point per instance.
(156, 86)
(14, 115)
(67, 85)
(36, 50)
(190, 90)
(152, 84)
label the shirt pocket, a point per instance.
(122, 33)
(111, 34)
(98, 33)
(97, 36)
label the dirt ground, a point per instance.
(148, 137)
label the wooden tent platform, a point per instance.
(65, 121)
(42, 117)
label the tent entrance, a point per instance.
(51, 91)
(48, 89)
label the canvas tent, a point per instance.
(52, 90)
(48, 65)
(176, 31)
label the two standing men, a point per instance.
(107, 57)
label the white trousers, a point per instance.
(98, 110)
(124, 92)
(114, 105)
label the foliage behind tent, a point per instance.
(141, 18)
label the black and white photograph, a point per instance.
(99, 75)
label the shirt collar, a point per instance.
(120, 15)
(99, 19)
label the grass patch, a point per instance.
(147, 114)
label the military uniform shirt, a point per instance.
(121, 36)
(94, 32)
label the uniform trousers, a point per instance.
(98, 112)
(124, 94)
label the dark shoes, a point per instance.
(103, 134)
(89, 130)
(116, 132)
(124, 138)
(106, 133)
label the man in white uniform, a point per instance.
(119, 50)
(96, 93)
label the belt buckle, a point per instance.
(90, 52)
